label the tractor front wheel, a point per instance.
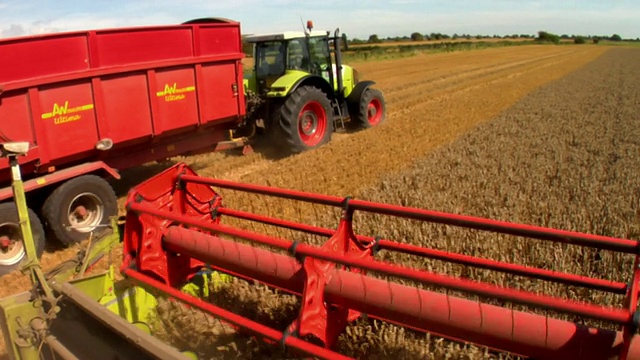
(371, 110)
(306, 119)
(12, 249)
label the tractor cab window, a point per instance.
(270, 58)
(298, 55)
(319, 54)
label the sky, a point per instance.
(356, 18)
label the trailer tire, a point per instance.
(13, 253)
(89, 197)
(370, 111)
(306, 119)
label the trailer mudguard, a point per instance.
(62, 175)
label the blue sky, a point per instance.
(355, 18)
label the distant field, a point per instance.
(400, 49)
(417, 43)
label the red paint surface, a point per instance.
(117, 75)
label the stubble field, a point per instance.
(470, 133)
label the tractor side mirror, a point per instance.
(17, 148)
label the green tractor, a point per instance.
(299, 94)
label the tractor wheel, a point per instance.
(306, 119)
(371, 110)
(12, 250)
(78, 207)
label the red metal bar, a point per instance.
(556, 276)
(253, 327)
(618, 316)
(266, 190)
(542, 233)
(189, 220)
(537, 273)
(452, 317)
(631, 302)
(536, 232)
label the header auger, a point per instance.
(178, 227)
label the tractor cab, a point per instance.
(290, 53)
(299, 88)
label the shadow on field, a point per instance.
(136, 175)
(269, 146)
(273, 148)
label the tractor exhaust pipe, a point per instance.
(336, 46)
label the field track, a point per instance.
(431, 101)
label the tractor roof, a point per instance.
(287, 35)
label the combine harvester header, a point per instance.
(176, 225)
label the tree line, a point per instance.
(542, 36)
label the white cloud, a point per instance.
(12, 30)
(357, 18)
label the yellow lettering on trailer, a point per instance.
(62, 113)
(173, 93)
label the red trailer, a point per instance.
(93, 102)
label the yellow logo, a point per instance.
(63, 113)
(173, 93)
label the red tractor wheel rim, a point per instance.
(11, 245)
(374, 111)
(312, 123)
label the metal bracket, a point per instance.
(375, 248)
(347, 211)
(214, 210)
(292, 251)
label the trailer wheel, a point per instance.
(78, 207)
(371, 110)
(12, 250)
(306, 119)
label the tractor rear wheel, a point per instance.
(12, 249)
(371, 110)
(79, 207)
(306, 119)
